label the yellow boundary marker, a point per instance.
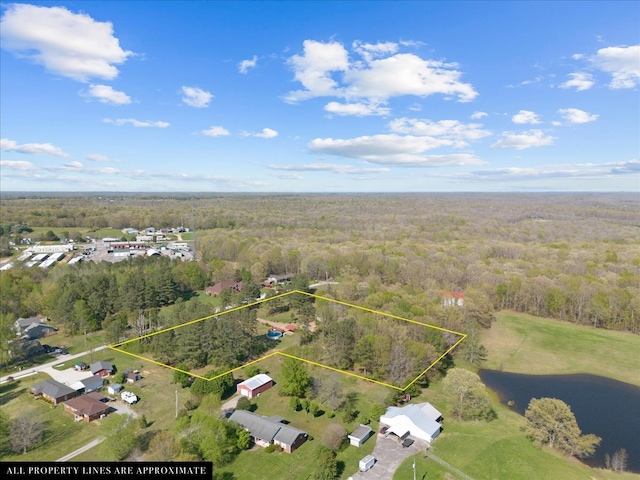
(116, 347)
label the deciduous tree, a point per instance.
(551, 422)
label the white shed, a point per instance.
(114, 388)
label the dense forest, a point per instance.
(574, 257)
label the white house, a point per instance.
(418, 420)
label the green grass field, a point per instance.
(521, 343)
(495, 450)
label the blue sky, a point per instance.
(303, 96)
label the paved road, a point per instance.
(67, 376)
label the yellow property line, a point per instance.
(116, 347)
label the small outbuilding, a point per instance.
(114, 388)
(255, 385)
(360, 435)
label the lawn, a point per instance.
(494, 450)
(521, 343)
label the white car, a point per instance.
(129, 397)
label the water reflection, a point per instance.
(606, 407)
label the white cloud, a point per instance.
(32, 148)
(580, 81)
(623, 63)
(355, 109)
(547, 172)
(324, 69)
(69, 44)
(369, 51)
(328, 167)
(215, 131)
(289, 176)
(245, 65)
(477, 115)
(520, 141)
(526, 116)
(577, 56)
(107, 94)
(392, 149)
(21, 165)
(136, 123)
(575, 115)
(313, 69)
(266, 133)
(196, 97)
(96, 157)
(451, 129)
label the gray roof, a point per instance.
(89, 382)
(25, 322)
(288, 435)
(267, 429)
(101, 365)
(361, 432)
(258, 426)
(52, 389)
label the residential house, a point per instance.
(52, 391)
(420, 420)
(88, 407)
(360, 435)
(102, 368)
(89, 384)
(270, 430)
(22, 324)
(452, 299)
(273, 280)
(255, 385)
(214, 290)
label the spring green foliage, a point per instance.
(551, 422)
(470, 398)
(295, 378)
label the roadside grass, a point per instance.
(521, 343)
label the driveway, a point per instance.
(389, 454)
(67, 376)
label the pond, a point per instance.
(606, 407)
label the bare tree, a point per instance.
(24, 433)
(619, 461)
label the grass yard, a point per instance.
(495, 450)
(521, 343)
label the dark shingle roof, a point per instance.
(52, 389)
(101, 365)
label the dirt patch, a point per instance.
(281, 325)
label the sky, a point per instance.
(320, 96)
